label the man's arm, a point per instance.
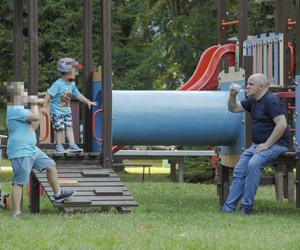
(234, 105)
(83, 99)
(278, 131)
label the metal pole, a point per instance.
(87, 72)
(107, 83)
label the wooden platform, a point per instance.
(95, 188)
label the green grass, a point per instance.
(5, 162)
(169, 216)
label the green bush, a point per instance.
(197, 169)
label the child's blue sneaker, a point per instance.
(73, 148)
(64, 195)
(59, 149)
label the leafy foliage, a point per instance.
(156, 43)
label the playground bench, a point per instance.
(143, 165)
(174, 157)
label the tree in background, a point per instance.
(156, 43)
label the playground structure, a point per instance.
(199, 117)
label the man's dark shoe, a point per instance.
(245, 210)
(64, 195)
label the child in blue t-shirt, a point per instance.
(59, 95)
(21, 145)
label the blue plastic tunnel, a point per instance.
(174, 118)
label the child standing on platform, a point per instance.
(59, 95)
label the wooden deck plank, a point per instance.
(80, 201)
(102, 191)
(95, 173)
(94, 179)
(77, 175)
(88, 185)
(95, 204)
(103, 198)
(91, 193)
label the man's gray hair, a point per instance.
(259, 78)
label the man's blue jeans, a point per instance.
(246, 175)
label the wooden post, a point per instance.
(279, 182)
(248, 66)
(243, 26)
(282, 11)
(224, 184)
(181, 171)
(173, 170)
(18, 41)
(33, 87)
(285, 181)
(34, 197)
(87, 72)
(291, 184)
(107, 83)
(221, 16)
(297, 180)
(33, 47)
(297, 37)
(297, 104)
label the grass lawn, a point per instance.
(169, 216)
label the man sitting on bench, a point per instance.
(270, 136)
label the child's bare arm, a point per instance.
(83, 99)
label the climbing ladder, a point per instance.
(96, 187)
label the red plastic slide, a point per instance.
(201, 67)
(206, 74)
